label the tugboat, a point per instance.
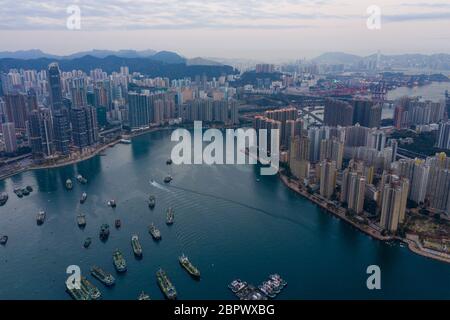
(151, 201)
(81, 220)
(3, 198)
(83, 197)
(119, 261)
(104, 232)
(168, 179)
(112, 203)
(81, 179)
(137, 248)
(170, 217)
(165, 285)
(92, 290)
(169, 161)
(69, 184)
(189, 267)
(156, 234)
(87, 242)
(118, 223)
(143, 296)
(40, 218)
(103, 276)
(3, 240)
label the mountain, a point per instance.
(150, 66)
(121, 53)
(202, 62)
(337, 58)
(26, 54)
(168, 57)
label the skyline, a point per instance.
(260, 30)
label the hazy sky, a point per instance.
(260, 29)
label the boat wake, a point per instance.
(157, 185)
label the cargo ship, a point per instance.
(165, 285)
(93, 291)
(119, 261)
(103, 276)
(136, 245)
(170, 216)
(189, 267)
(156, 234)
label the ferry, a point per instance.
(87, 242)
(69, 184)
(189, 267)
(83, 197)
(156, 234)
(92, 290)
(136, 245)
(170, 216)
(3, 198)
(40, 218)
(103, 276)
(104, 232)
(119, 261)
(143, 296)
(151, 201)
(3, 240)
(165, 285)
(81, 220)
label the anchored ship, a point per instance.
(189, 267)
(151, 201)
(3, 240)
(112, 203)
(81, 293)
(156, 234)
(170, 216)
(169, 161)
(165, 285)
(83, 197)
(81, 179)
(40, 218)
(103, 276)
(81, 220)
(118, 223)
(119, 261)
(93, 291)
(104, 232)
(168, 179)
(69, 184)
(137, 248)
(87, 242)
(3, 198)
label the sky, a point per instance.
(269, 30)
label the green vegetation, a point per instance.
(424, 143)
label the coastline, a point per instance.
(412, 245)
(83, 158)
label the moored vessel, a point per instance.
(81, 179)
(103, 276)
(166, 285)
(81, 220)
(104, 232)
(155, 233)
(3, 198)
(118, 223)
(189, 267)
(83, 197)
(69, 184)
(40, 218)
(170, 216)
(119, 261)
(3, 240)
(136, 245)
(87, 242)
(151, 201)
(93, 291)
